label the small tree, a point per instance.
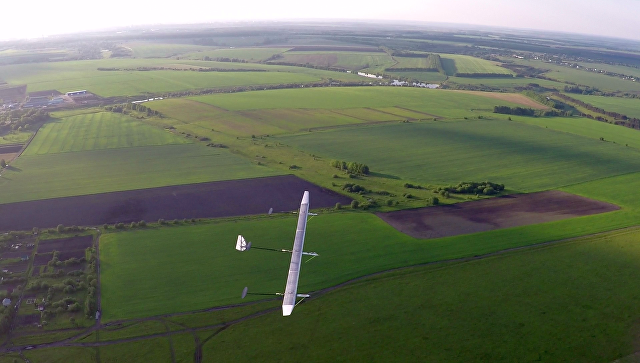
(60, 228)
(3, 164)
(355, 204)
(338, 206)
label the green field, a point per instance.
(15, 137)
(435, 102)
(75, 75)
(100, 171)
(169, 278)
(625, 106)
(96, 131)
(454, 63)
(582, 77)
(629, 71)
(162, 50)
(507, 82)
(587, 127)
(283, 111)
(248, 54)
(346, 60)
(573, 302)
(522, 157)
(427, 62)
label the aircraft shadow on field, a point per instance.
(13, 168)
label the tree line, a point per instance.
(620, 119)
(22, 119)
(351, 167)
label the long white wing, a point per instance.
(291, 290)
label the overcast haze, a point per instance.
(35, 18)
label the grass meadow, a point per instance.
(427, 62)
(96, 131)
(346, 60)
(454, 63)
(582, 77)
(286, 111)
(15, 137)
(75, 75)
(522, 157)
(625, 106)
(435, 102)
(575, 301)
(162, 50)
(248, 54)
(586, 127)
(204, 270)
(99, 171)
(508, 83)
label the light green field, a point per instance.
(161, 50)
(345, 60)
(625, 106)
(507, 82)
(248, 54)
(148, 350)
(522, 157)
(586, 127)
(548, 304)
(100, 171)
(629, 71)
(582, 77)
(96, 131)
(62, 355)
(281, 111)
(435, 102)
(427, 62)
(169, 279)
(454, 63)
(76, 75)
(15, 137)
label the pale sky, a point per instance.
(35, 18)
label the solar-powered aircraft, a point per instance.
(291, 289)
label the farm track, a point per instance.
(70, 342)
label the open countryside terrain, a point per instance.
(101, 171)
(454, 64)
(204, 200)
(625, 106)
(78, 75)
(285, 111)
(213, 165)
(408, 315)
(522, 157)
(97, 131)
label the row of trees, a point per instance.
(22, 119)
(351, 167)
(123, 108)
(521, 111)
(486, 188)
(621, 119)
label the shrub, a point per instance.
(390, 202)
(142, 223)
(338, 206)
(160, 221)
(355, 204)
(60, 228)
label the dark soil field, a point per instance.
(13, 93)
(51, 92)
(65, 244)
(17, 267)
(28, 319)
(42, 259)
(497, 213)
(205, 200)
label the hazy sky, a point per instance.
(34, 18)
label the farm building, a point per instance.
(36, 102)
(77, 93)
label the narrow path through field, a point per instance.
(71, 342)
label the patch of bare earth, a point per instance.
(496, 213)
(508, 97)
